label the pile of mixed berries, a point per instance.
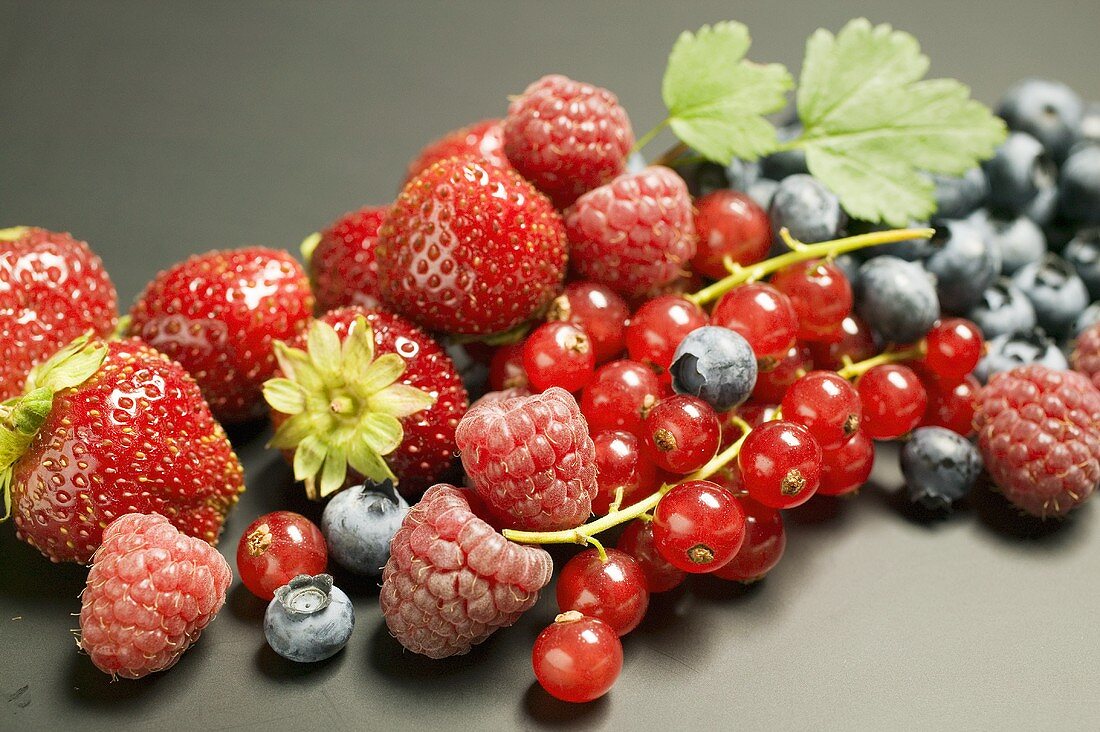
(540, 329)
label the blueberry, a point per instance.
(940, 467)
(1006, 352)
(703, 177)
(1047, 110)
(1017, 172)
(308, 620)
(1083, 254)
(1079, 185)
(849, 265)
(963, 265)
(762, 191)
(1088, 317)
(715, 364)
(896, 298)
(1089, 129)
(1019, 241)
(741, 174)
(958, 197)
(358, 524)
(1043, 209)
(809, 210)
(1056, 292)
(636, 162)
(778, 166)
(1003, 310)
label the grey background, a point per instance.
(158, 130)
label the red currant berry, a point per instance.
(613, 590)
(558, 354)
(276, 548)
(658, 327)
(637, 541)
(577, 659)
(622, 469)
(506, 368)
(772, 383)
(953, 348)
(760, 313)
(780, 464)
(681, 433)
(698, 526)
(893, 401)
(765, 541)
(729, 224)
(596, 310)
(951, 405)
(844, 469)
(619, 397)
(856, 342)
(825, 404)
(821, 295)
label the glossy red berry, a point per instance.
(612, 590)
(774, 379)
(599, 312)
(558, 354)
(821, 295)
(577, 659)
(619, 397)
(765, 540)
(623, 469)
(825, 404)
(658, 327)
(856, 342)
(893, 399)
(729, 224)
(762, 314)
(953, 348)
(780, 464)
(681, 433)
(506, 368)
(276, 548)
(951, 405)
(844, 469)
(698, 526)
(637, 541)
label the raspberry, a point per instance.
(1039, 434)
(1086, 354)
(531, 460)
(567, 137)
(151, 590)
(452, 580)
(636, 234)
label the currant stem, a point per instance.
(671, 155)
(648, 137)
(800, 252)
(853, 369)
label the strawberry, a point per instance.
(105, 429)
(218, 314)
(470, 248)
(484, 139)
(338, 406)
(52, 289)
(342, 269)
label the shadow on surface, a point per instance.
(1009, 524)
(271, 665)
(387, 657)
(553, 713)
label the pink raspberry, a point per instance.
(452, 580)
(1039, 434)
(151, 590)
(636, 234)
(567, 137)
(1086, 354)
(531, 460)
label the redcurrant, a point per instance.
(658, 327)
(681, 433)
(844, 469)
(506, 368)
(765, 541)
(780, 464)
(596, 310)
(613, 590)
(821, 295)
(577, 659)
(856, 342)
(953, 348)
(760, 313)
(623, 471)
(772, 383)
(637, 541)
(825, 404)
(276, 548)
(893, 401)
(558, 354)
(698, 526)
(729, 224)
(951, 405)
(619, 397)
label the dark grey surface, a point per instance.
(155, 131)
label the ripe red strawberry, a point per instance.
(567, 137)
(484, 139)
(151, 591)
(1086, 354)
(107, 429)
(218, 315)
(636, 234)
(341, 262)
(470, 248)
(52, 289)
(349, 409)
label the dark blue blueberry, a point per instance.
(1089, 129)
(308, 620)
(636, 162)
(809, 210)
(896, 298)
(958, 197)
(1088, 317)
(778, 166)
(358, 524)
(963, 265)
(940, 467)
(1043, 209)
(1017, 172)
(1079, 186)
(1006, 352)
(762, 191)
(741, 174)
(1003, 310)
(911, 250)
(849, 265)
(1056, 292)
(1019, 241)
(1047, 110)
(1083, 254)
(715, 364)
(703, 177)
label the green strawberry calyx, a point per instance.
(21, 417)
(344, 406)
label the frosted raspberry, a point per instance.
(151, 590)
(531, 460)
(567, 137)
(636, 234)
(1039, 434)
(452, 580)
(1086, 354)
